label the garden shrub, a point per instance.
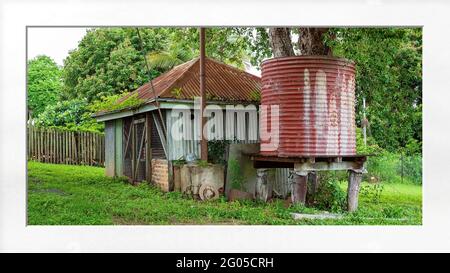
(372, 192)
(217, 150)
(330, 196)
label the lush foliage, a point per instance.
(372, 191)
(80, 195)
(330, 196)
(217, 150)
(389, 76)
(69, 114)
(228, 45)
(395, 168)
(167, 59)
(370, 148)
(44, 83)
(110, 61)
(116, 102)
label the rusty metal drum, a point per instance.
(308, 107)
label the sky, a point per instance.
(56, 42)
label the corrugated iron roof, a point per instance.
(223, 83)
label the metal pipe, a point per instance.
(151, 82)
(203, 140)
(364, 122)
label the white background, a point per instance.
(434, 235)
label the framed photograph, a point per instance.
(193, 132)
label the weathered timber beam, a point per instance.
(328, 166)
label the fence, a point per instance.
(65, 147)
(395, 168)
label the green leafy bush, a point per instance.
(371, 148)
(216, 151)
(330, 196)
(116, 102)
(43, 84)
(393, 212)
(70, 114)
(372, 191)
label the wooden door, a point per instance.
(135, 148)
(127, 148)
(140, 147)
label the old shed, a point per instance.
(142, 143)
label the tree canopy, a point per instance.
(109, 61)
(389, 76)
(44, 83)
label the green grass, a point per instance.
(80, 195)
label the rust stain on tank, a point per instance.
(316, 100)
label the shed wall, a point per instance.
(110, 148)
(244, 126)
(118, 149)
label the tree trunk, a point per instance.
(280, 42)
(311, 41)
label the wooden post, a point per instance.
(52, 143)
(203, 141)
(354, 181)
(58, 146)
(133, 150)
(148, 150)
(263, 187)
(28, 143)
(313, 186)
(299, 187)
(38, 140)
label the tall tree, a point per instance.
(280, 42)
(109, 61)
(311, 41)
(44, 84)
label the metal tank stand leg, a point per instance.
(354, 181)
(299, 187)
(263, 187)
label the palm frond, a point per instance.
(162, 60)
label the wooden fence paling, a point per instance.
(65, 147)
(52, 146)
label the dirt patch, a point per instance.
(54, 191)
(34, 180)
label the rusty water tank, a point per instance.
(315, 96)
